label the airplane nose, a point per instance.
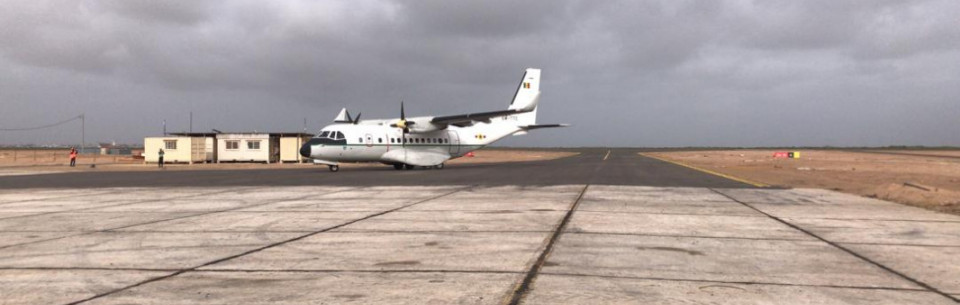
(305, 151)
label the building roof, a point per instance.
(214, 134)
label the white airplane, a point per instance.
(424, 141)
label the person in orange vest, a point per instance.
(73, 157)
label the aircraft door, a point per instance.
(454, 142)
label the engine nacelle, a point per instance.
(423, 125)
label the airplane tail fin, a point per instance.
(527, 97)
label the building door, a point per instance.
(454, 142)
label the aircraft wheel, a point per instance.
(334, 168)
(439, 166)
(398, 166)
(408, 166)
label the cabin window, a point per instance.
(254, 145)
(170, 144)
(379, 140)
(360, 140)
(233, 144)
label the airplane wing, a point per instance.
(471, 117)
(529, 127)
(529, 104)
(413, 157)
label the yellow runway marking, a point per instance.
(757, 184)
(605, 157)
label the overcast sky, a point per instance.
(630, 73)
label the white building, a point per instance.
(227, 147)
(290, 144)
(179, 149)
(248, 147)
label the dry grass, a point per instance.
(893, 177)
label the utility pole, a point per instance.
(191, 121)
(83, 131)
(164, 128)
(304, 125)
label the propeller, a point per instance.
(402, 123)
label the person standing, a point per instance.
(160, 163)
(73, 157)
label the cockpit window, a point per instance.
(323, 134)
(339, 136)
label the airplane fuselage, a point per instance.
(374, 142)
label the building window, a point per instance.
(360, 140)
(254, 145)
(170, 144)
(233, 144)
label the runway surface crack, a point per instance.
(272, 245)
(845, 249)
(521, 290)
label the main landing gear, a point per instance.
(400, 166)
(334, 168)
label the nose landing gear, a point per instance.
(334, 168)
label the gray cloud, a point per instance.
(651, 73)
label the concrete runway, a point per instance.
(621, 167)
(476, 243)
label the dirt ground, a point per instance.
(52, 161)
(928, 179)
(35, 157)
